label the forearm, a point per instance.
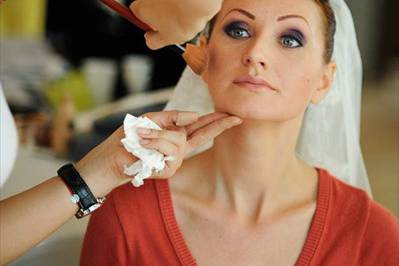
(31, 216)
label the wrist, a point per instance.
(99, 182)
(81, 194)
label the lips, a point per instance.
(253, 83)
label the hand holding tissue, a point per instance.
(170, 137)
(150, 160)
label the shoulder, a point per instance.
(353, 214)
(345, 197)
(382, 227)
(380, 243)
(343, 191)
(356, 202)
(347, 204)
(351, 198)
(382, 222)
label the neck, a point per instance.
(256, 168)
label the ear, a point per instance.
(326, 82)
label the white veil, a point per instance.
(329, 137)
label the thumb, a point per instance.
(154, 40)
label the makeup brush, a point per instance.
(192, 54)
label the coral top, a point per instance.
(137, 226)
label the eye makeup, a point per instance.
(292, 39)
(297, 35)
(237, 30)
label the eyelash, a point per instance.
(234, 26)
(237, 26)
(295, 35)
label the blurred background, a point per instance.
(71, 71)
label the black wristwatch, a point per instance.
(81, 194)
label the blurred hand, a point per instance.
(102, 168)
(174, 21)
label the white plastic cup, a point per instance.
(137, 71)
(100, 75)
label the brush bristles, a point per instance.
(195, 58)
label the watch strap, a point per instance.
(77, 186)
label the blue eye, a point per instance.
(290, 42)
(293, 39)
(237, 30)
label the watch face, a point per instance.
(82, 213)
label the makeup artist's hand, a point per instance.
(174, 21)
(102, 168)
(181, 133)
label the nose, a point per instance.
(255, 55)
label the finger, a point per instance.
(176, 137)
(204, 120)
(142, 13)
(160, 145)
(170, 168)
(136, 10)
(154, 40)
(165, 173)
(209, 132)
(170, 118)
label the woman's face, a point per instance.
(265, 58)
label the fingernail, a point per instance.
(143, 131)
(236, 120)
(144, 141)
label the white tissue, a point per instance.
(150, 160)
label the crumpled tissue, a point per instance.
(150, 160)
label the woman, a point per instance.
(250, 199)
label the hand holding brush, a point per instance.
(192, 54)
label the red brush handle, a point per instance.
(126, 13)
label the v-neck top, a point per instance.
(137, 226)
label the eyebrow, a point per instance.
(242, 11)
(292, 16)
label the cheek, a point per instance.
(220, 70)
(221, 63)
(298, 83)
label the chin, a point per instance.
(255, 109)
(251, 112)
